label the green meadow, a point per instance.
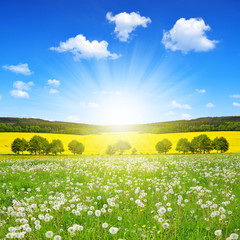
(120, 197)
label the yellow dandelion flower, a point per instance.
(143, 226)
(135, 225)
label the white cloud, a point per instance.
(182, 106)
(235, 96)
(54, 82)
(80, 47)
(187, 35)
(73, 118)
(22, 85)
(170, 113)
(126, 23)
(210, 105)
(201, 90)
(0, 97)
(236, 104)
(93, 105)
(19, 94)
(21, 68)
(53, 91)
(186, 116)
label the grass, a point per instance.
(144, 197)
(97, 144)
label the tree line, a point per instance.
(195, 125)
(38, 145)
(199, 144)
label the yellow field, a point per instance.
(97, 144)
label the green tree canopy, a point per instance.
(76, 147)
(36, 144)
(202, 144)
(111, 150)
(163, 146)
(57, 146)
(122, 146)
(19, 145)
(183, 145)
(220, 144)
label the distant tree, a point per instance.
(76, 147)
(57, 146)
(202, 144)
(163, 146)
(19, 145)
(134, 151)
(220, 144)
(35, 144)
(122, 146)
(46, 146)
(215, 144)
(111, 150)
(183, 145)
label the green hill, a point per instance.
(231, 123)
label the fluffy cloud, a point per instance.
(53, 91)
(186, 116)
(54, 82)
(201, 90)
(19, 94)
(22, 85)
(210, 105)
(236, 104)
(182, 106)
(126, 23)
(21, 89)
(235, 96)
(21, 68)
(80, 47)
(187, 35)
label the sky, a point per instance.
(119, 62)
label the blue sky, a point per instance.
(117, 62)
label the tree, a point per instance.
(110, 150)
(19, 145)
(36, 144)
(220, 144)
(134, 151)
(183, 145)
(57, 146)
(163, 146)
(202, 144)
(46, 146)
(76, 147)
(122, 146)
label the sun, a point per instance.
(119, 112)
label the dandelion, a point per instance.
(49, 234)
(165, 225)
(97, 213)
(234, 236)
(218, 232)
(104, 225)
(113, 230)
(57, 237)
